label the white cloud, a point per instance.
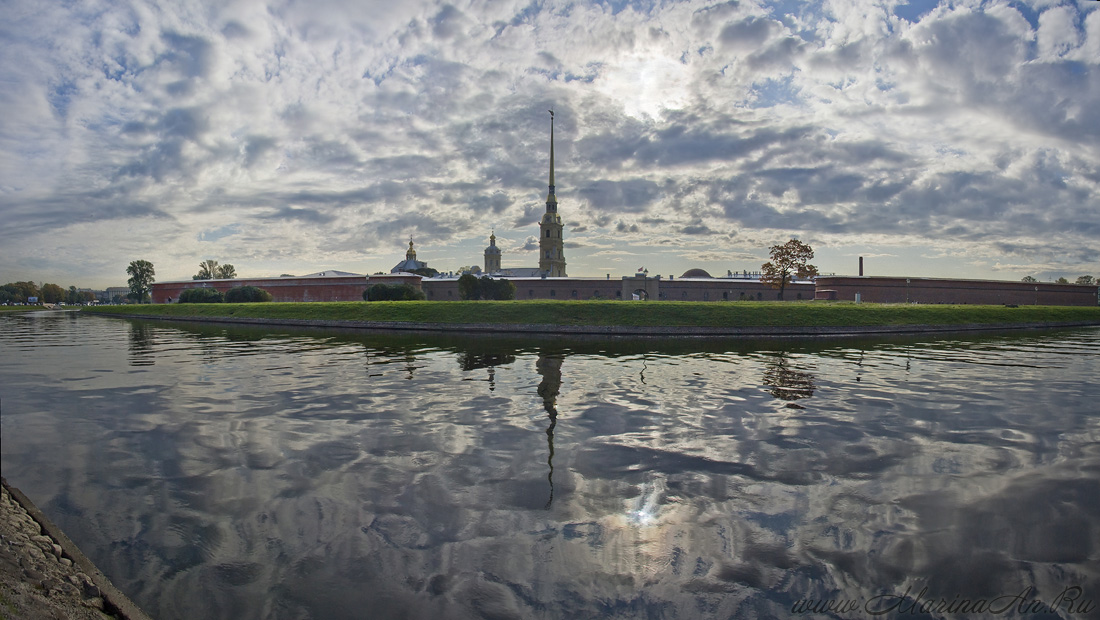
(333, 130)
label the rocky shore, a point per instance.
(44, 575)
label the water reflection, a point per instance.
(294, 473)
(141, 345)
(787, 383)
(549, 368)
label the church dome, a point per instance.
(696, 273)
(492, 249)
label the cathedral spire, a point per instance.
(550, 197)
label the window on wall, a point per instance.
(618, 294)
(553, 293)
(450, 294)
(531, 292)
(684, 294)
(760, 297)
(725, 296)
(548, 234)
(706, 296)
(800, 295)
(574, 294)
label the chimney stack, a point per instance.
(861, 265)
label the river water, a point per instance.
(237, 473)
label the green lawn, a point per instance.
(626, 313)
(14, 309)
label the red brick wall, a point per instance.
(342, 288)
(946, 291)
(730, 289)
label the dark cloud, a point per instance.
(191, 56)
(632, 195)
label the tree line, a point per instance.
(48, 293)
(1085, 279)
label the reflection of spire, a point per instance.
(550, 368)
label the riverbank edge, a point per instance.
(617, 330)
(115, 602)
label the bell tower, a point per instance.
(551, 245)
(492, 255)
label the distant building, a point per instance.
(492, 256)
(410, 263)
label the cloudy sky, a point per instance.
(952, 138)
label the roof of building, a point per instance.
(696, 273)
(330, 273)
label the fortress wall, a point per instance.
(339, 288)
(730, 289)
(535, 288)
(880, 289)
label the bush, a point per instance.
(397, 292)
(246, 294)
(200, 296)
(473, 287)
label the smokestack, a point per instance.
(860, 265)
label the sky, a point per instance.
(944, 139)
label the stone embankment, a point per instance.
(44, 575)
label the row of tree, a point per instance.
(235, 295)
(1087, 280)
(22, 292)
(211, 270)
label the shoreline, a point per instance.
(618, 330)
(44, 570)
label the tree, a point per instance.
(789, 261)
(73, 296)
(141, 280)
(225, 272)
(207, 270)
(200, 296)
(472, 287)
(1061, 280)
(427, 272)
(21, 291)
(246, 294)
(1028, 279)
(1086, 280)
(52, 293)
(468, 288)
(397, 292)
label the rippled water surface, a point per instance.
(232, 473)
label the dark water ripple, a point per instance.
(247, 473)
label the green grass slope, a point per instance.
(633, 314)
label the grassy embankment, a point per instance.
(634, 314)
(14, 309)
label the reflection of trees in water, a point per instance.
(785, 382)
(141, 345)
(469, 360)
(549, 366)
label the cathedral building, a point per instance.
(551, 245)
(410, 263)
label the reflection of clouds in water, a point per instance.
(288, 474)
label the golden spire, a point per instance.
(551, 197)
